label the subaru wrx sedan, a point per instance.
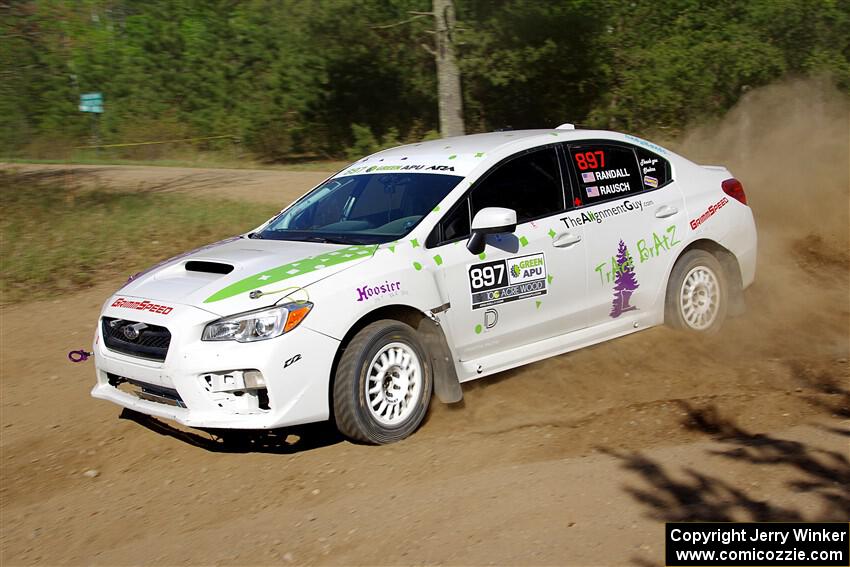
(422, 267)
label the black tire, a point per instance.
(352, 414)
(698, 316)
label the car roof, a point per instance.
(461, 155)
(477, 143)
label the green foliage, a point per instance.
(45, 252)
(297, 79)
(364, 142)
(671, 62)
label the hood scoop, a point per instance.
(208, 267)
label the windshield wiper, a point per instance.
(327, 240)
(256, 235)
(297, 236)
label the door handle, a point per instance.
(566, 240)
(665, 211)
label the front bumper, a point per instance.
(296, 368)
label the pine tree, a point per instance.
(625, 282)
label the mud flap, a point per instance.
(737, 305)
(446, 383)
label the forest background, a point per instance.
(301, 80)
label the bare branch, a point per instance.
(407, 21)
(421, 13)
(428, 48)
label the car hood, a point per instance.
(219, 278)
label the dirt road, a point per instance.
(574, 460)
(259, 185)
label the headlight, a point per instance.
(258, 325)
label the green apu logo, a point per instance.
(528, 267)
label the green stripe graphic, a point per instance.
(291, 270)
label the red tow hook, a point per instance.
(79, 355)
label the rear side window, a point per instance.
(604, 172)
(654, 169)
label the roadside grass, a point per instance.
(57, 240)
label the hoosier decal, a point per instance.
(367, 292)
(501, 281)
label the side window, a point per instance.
(529, 184)
(605, 172)
(456, 223)
(654, 169)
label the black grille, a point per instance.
(151, 343)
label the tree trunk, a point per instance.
(448, 75)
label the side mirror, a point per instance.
(490, 220)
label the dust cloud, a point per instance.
(789, 144)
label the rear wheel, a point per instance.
(383, 384)
(697, 294)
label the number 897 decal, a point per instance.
(491, 283)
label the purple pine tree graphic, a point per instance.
(625, 282)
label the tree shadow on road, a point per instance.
(278, 441)
(693, 495)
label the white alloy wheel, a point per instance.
(699, 298)
(393, 384)
(383, 383)
(696, 298)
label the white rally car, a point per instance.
(422, 267)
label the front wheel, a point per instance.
(383, 384)
(697, 295)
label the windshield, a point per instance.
(361, 209)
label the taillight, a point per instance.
(734, 189)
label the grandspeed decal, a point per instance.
(576, 220)
(142, 306)
(501, 281)
(709, 212)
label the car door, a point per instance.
(633, 218)
(522, 288)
